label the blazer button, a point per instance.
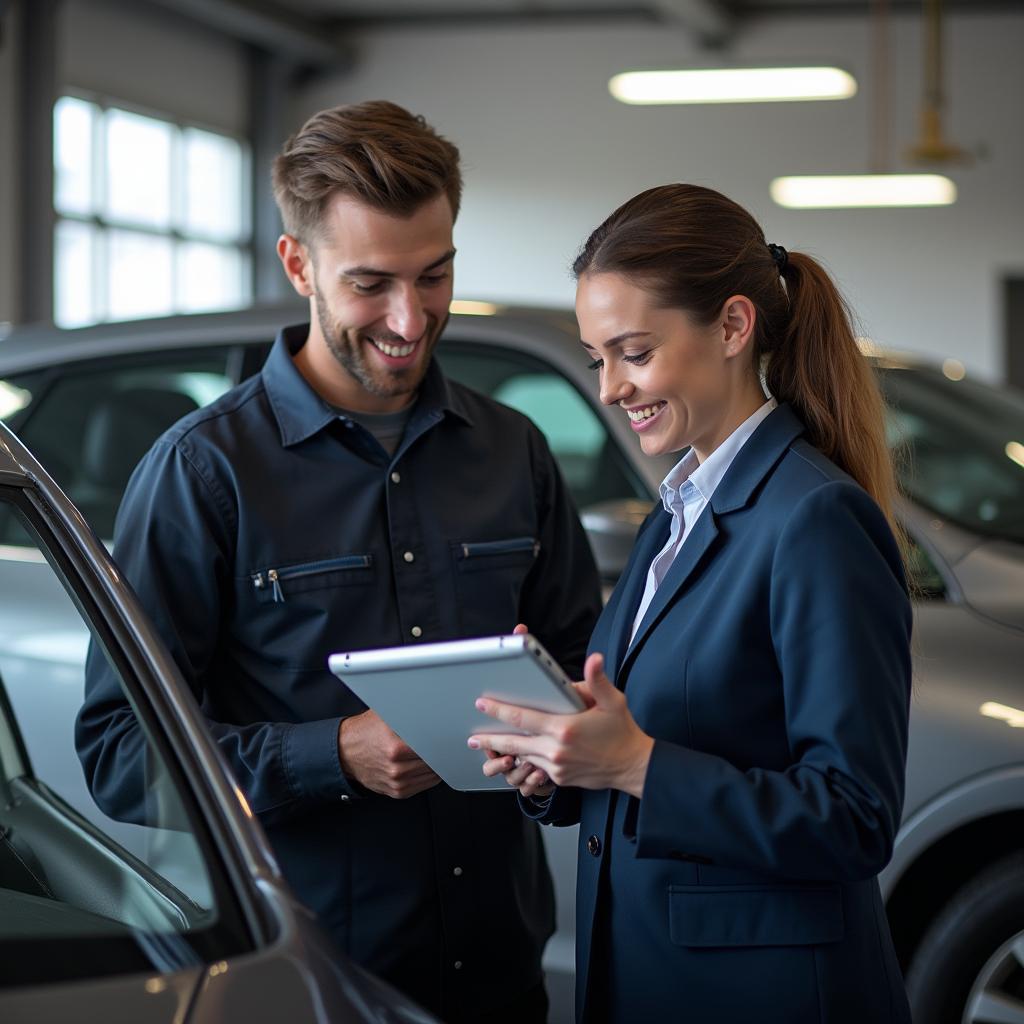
(593, 846)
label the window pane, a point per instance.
(959, 448)
(94, 423)
(73, 278)
(213, 186)
(77, 886)
(594, 467)
(210, 277)
(72, 155)
(140, 275)
(138, 159)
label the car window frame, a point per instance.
(242, 923)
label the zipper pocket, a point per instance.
(273, 577)
(500, 547)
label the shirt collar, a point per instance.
(689, 479)
(300, 412)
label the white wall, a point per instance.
(548, 153)
(143, 57)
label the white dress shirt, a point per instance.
(684, 493)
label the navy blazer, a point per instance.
(773, 671)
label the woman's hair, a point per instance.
(692, 249)
(376, 151)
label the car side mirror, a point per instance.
(611, 528)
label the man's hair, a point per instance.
(376, 152)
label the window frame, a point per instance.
(176, 234)
(241, 925)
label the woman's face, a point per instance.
(676, 381)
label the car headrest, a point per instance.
(122, 428)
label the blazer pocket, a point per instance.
(754, 916)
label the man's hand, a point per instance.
(377, 758)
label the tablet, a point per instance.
(426, 693)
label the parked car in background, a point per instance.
(90, 402)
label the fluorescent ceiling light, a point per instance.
(733, 85)
(835, 191)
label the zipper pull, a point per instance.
(258, 581)
(275, 584)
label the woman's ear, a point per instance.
(738, 318)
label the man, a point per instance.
(351, 497)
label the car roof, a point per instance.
(37, 346)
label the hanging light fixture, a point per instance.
(879, 188)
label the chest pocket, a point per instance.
(276, 584)
(489, 578)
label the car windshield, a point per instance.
(959, 447)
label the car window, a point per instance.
(959, 448)
(82, 894)
(592, 463)
(923, 576)
(91, 424)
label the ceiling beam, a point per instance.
(707, 20)
(269, 26)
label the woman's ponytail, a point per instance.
(817, 367)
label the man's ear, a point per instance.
(298, 264)
(738, 318)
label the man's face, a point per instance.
(381, 287)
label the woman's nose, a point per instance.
(614, 385)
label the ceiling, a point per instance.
(313, 31)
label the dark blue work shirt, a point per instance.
(262, 533)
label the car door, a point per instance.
(182, 916)
(143, 911)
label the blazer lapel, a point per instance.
(631, 589)
(704, 531)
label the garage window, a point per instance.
(151, 216)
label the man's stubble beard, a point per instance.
(383, 383)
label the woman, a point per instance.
(738, 775)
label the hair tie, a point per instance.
(779, 255)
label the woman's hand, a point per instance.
(600, 748)
(521, 775)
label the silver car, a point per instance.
(90, 402)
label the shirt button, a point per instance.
(457, 965)
(416, 631)
(396, 478)
(409, 556)
(344, 796)
(457, 872)
(593, 846)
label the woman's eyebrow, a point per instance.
(618, 339)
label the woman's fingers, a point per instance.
(524, 719)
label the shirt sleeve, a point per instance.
(561, 597)
(840, 624)
(173, 539)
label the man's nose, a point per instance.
(406, 317)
